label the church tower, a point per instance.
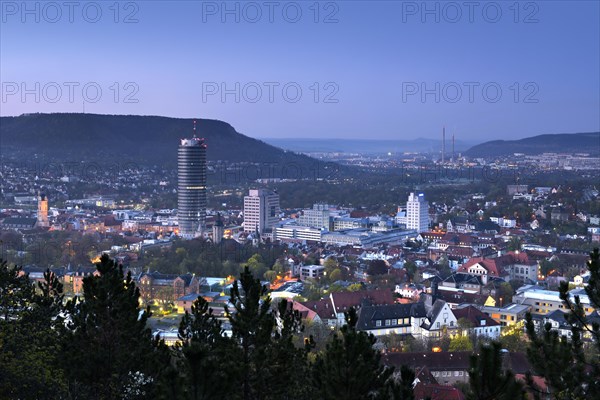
(42, 211)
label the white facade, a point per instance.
(317, 217)
(297, 232)
(312, 271)
(417, 213)
(261, 210)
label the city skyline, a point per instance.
(408, 70)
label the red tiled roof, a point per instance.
(474, 316)
(437, 392)
(344, 300)
(322, 307)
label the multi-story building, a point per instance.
(317, 217)
(312, 271)
(341, 223)
(481, 323)
(292, 232)
(546, 301)
(261, 210)
(508, 315)
(191, 186)
(417, 213)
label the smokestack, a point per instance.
(443, 144)
(453, 147)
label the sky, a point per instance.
(292, 69)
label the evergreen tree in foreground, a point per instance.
(570, 371)
(350, 367)
(487, 378)
(252, 325)
(205, 355)
(30, 336)
(109, 351)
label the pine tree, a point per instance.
(562, 361)
(252, 325)
(109, 350)
(30, 337)
(204, 354)
(288, 364)
(488, 380)
(350, 367)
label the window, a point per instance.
(455, 373)
(437, 325)
(460, 373)
(451, 323)
(377, 323)
(387, 322)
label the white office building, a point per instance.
(317, 217)
(417, 213)
(261, 210)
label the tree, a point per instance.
(204, 354)
(287, 364)
(460, 343)
(335, 275)
(506, 293)
(350, 367)
(252, 324)
(514, 244)
(108, 342)
(377, 267)
(562, 361)
(411, 269)
(15, 291)
(330, 264)
(488, 380)
(30, 337)
(256, 265)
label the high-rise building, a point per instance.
(191, 186)
(417, 213)
(42, 211)
(261, 210)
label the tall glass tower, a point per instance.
(191, 186)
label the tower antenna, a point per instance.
(443, 144)
(194, 128)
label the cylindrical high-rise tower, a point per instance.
(191, 186)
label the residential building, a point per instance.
(389, 319)
(312, 271)
(438, 317)
(331, 309)
(167, 287)
(544, 301)
(481, 324)
(508, 315)
(449, 368)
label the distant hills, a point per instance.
(138, 138)
(367, 146)
(551, 143)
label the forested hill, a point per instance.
(141, 138)
(552, 143)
